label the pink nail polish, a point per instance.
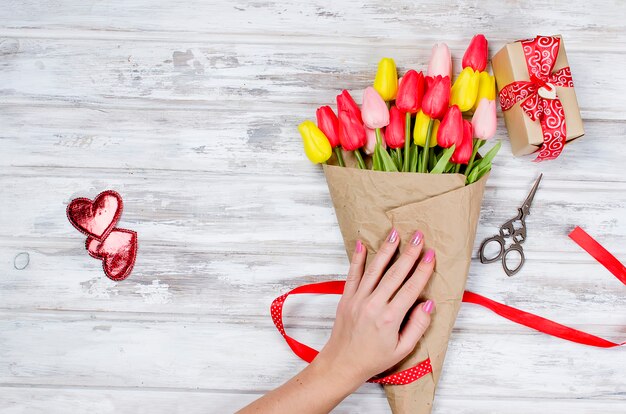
(359, 246)
(417, 238)
(429, 256)
(429, 306)
(393, 236)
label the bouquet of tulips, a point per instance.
(428, 109)
(433, 182)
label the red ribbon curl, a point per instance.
(521, 317)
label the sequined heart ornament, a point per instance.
(117, 252)
(98, 217)
(115, 247)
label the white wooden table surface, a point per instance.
(188, 109)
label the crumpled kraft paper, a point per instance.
(368, 204)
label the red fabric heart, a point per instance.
(96, 218)
(117, 252)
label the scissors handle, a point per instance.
(515, 247)
(497, 239)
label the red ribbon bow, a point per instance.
(541, 53)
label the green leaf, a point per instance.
(386, 161)
(477, 174)
(486, 160)
(443, 161)
(376, 166)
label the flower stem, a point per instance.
(457, 168)
(471, 160)
(339, 157)
(424, 165)
(407, 141)
(359, 158)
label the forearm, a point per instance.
(317, 389)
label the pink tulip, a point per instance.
(484, 120)
(370, 144)
(440, 61)
(374, 109)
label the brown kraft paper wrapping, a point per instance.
(509, 65)
(368, 204)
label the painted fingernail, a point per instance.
(417, 238)
(429, 256)
(393, 236)
(429, 306)
(359, 246)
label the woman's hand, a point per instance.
(369, 335)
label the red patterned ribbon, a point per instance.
(541, 53)
(529, 320)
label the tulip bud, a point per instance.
(394, 133)
(410, 92)
(351, 131)
(440, 61)
(437, 96)
(486, 88)
(374, 110)
(370, 144)
(316, 145)
(484, 120)
(465, 89)
(386, 81)
(476, 55)
(345, 102)
(463, 151)
(451, 128)
(421, 129)
(328, 123)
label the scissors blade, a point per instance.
(531, 195)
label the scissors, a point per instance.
(509, 230)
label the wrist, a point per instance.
(342, 375)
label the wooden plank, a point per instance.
(134, 74)
(387, 22)
(122, 399)
(93, 350)
(263, 141)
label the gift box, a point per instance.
(537, 96)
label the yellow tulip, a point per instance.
(316, 145)
(386, 82)
(421, 129)
(486, 88)
(465, 89)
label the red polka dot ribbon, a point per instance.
(308, 354)
(529, 320)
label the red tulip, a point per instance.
(394, 133)
(463, 151)
(476, 54)
(411, 92)
(345, 102)
(437, 96)
(328, 122)
(451, 128)
(351, 131)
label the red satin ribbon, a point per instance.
(529, 320)
(541, 54)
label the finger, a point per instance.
(356, 269)
(410, 291)
(414, 329)
(376, 268)
(396, 275)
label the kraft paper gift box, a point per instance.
(526, 136)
